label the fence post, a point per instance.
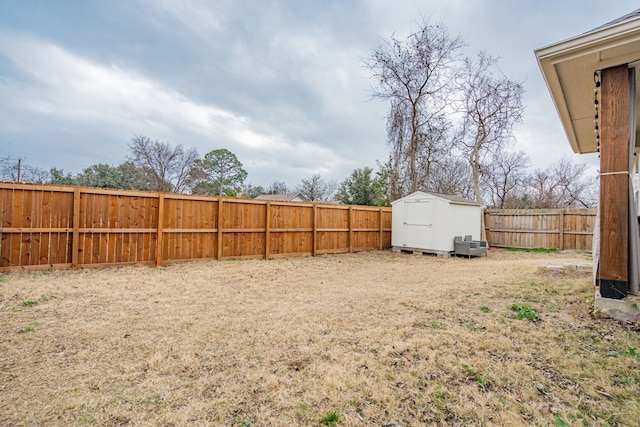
(484, 227)
(219, 228)
(75, 241)
(159, 236)
(561, 226)
(350, 228)
(380, 225)
(315, 229)
(267, 231)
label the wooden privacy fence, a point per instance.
(46, 226)
(540, 228)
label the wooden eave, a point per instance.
(568, 68)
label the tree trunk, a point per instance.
(475, 167)
(413, 150)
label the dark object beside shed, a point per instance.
(469, 247)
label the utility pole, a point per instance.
(19, 161)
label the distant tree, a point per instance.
(576, 189)
(125, 176)
(542, 191)
(504, 178)
(453, 177)
(252, 192)
(362, 188)
(278, 187)
(224, 174)
(491, 107)
(7, 169)
(210, 189)
(416, 76)
(33, 174)
(383, 182)
(136, 178)
(358, 188)
(12, 169)
(433, 147)
(561, 185)
(57, 176)
(316, 189)
(103, 176)
(172, 167)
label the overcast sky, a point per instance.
(279, 83)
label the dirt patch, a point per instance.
(378, 338)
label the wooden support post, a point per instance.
(220, 221)
(75, 240)
(561, 230)
(614, 183)
(315, 230)
(159, 238)
(267, 232)
(350, 229)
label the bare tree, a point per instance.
(316, 189)
(278, 187)
(415, 75)
(173, 168)
(14, 169)
(542, 190)
(562, 185)
(491, 107)
(34, 174)
(576, 190)
(434, 149)
(451, 176)
(504, 177)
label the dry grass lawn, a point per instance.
(373, 338)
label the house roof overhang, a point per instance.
(568, 69)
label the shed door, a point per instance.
(418, 223)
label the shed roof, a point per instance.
(449, 197)
(456, 199)
(568, 67)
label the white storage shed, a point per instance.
(429, 222)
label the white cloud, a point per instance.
(193, 14)
(64, 86)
